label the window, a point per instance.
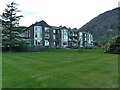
(46, 28)
(65, 37)
(64, 43)
(29, 33)
(80, 33)
(46, 35)
(53, 36)
(65, 32)
(54, 43)
(46, 43)
(39, 28)
(36, 28)
(38, 32)
(36, 35)
(54, 31)
(36, 42)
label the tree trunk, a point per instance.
(10, 48)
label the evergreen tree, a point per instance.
(10, 20)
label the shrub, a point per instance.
(69, 47)
(96, 43)
(113, 45)
(87, 47)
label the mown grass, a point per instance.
(60, 68)
(0, 70)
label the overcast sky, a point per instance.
(70, 13)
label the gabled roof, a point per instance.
(41, 23)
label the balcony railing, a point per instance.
(47, 38)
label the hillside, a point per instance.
(104, 26)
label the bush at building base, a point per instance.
(113, 45)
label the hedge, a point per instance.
(113, 45)
(26, 49)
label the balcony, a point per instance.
(47, 38)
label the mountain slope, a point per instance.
(104, 26)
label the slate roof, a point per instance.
(41, 23)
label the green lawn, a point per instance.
(60, 69)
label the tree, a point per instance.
(113, 45)
(10, 20)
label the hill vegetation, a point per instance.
(104, 26)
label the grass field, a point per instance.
(60, 69)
